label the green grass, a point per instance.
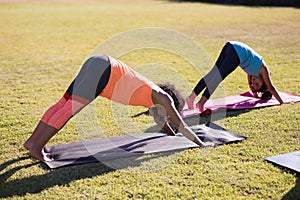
(42, 48)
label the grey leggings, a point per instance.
(92, 78)
(227, 62)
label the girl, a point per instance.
(110, 78)
(235, 54)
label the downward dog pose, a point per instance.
(107, 77)
(235, 54)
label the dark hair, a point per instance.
(263, 92)
(175, 95)
(266, 95)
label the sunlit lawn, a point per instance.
(42, 46)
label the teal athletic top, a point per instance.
(250, 61)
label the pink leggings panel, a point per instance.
(58, 114)
(53, 109)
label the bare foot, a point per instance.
(27, 145)
(46, 150)
(190, 103)
(205, 113)
(40, 155)
(201, 102)
(199, 107)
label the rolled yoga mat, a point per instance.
(134, 145)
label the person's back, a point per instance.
(250, 60)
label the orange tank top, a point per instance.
(127, 86)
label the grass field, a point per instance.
(42, 47)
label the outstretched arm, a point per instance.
(160, 117)
(265, 74)
(163, 99)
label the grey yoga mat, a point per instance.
(288, 160)
(104, 149)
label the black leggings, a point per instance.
(92, 78)
(227, 62)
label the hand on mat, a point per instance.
(171, 133)
(211, 144)
(199, 107)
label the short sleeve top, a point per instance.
(250, 61)
(127, 86)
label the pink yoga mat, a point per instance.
(240, 102)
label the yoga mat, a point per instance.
(240, 102)
(134, 145)
(288, 160)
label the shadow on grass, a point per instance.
(9, 173)
(195, 120)
(294, 193)
(251, 3)
(60, 176)
(37, 183)
(217, 116)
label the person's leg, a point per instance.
(36, 150)
(87, 85)
(215, 70)
(202, 84)
(95, 78)
(53, 125)
(42, 123)
(226, 66)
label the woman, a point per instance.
(104, 76)
(235, 54)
